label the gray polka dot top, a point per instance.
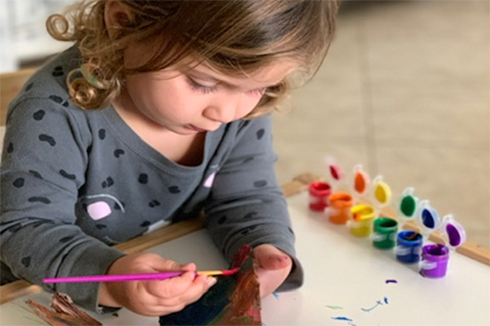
(75, 182)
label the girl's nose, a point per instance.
(221, 112)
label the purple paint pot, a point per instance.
(408, 247)
(319, 192)
(434, 261)
(435, 257)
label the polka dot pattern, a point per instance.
(154, 203)
(48, 139)
(67, 175)
(260, 183)
(43, 200)
(36, 174)
(109, 182)
(58, 71)
(118, 152)
(143, 178)
(26, 261)
(39, 115)
(19, 183)
(101, 134)
(260, 134)
(174, 189)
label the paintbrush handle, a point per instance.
(133, 277)
(114, 278)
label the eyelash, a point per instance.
(207, 89)
(200, 88)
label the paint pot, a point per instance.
(434, 261)
(340, 204)
(384, 232)
(319, 192)
(435, 257)
(408, 247)
(361, 224)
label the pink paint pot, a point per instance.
(318, 195)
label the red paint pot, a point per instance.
(319, 192)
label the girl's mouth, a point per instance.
(197, 129)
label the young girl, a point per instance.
(157, 113)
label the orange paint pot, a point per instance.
(340, 204)
(362, 220)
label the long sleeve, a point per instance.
(43, 167)
(246, 205)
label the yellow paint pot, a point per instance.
(361, 224)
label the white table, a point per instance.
(344, 274)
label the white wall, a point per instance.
(23, 35)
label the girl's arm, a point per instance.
(246, 205)
(43, 166)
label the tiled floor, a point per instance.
(405, 92)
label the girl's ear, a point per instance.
(116, 14)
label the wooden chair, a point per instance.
(10, 85)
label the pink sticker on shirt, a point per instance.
(99, 210)
(209, 181)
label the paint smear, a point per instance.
(391, 281)
(334, 307)
(342, 318)
(386, 300)
(378, 303)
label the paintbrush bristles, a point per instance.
(227, 272)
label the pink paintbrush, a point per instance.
(135, 277)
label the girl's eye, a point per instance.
(258, 91)
(201, 88)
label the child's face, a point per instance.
(197, 100)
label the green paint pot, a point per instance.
(384, 233)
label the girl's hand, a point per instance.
(274, 267)
(153, 298)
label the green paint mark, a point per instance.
(334, 307)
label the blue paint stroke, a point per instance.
(378, 303)
(386, 300)
(391, 281)
(342, 318)
(276, 295)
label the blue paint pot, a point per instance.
(408, 247)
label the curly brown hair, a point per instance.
(231, 36)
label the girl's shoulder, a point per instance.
(47, 89)
(49, 81)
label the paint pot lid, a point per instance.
(453, 232)
(334, 169)
(361, 180)
(407, 206)
(427, 218)
(382, 191)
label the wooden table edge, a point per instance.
(20, 288)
